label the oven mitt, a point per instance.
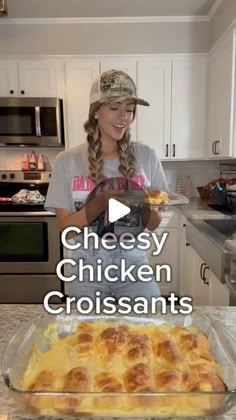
(27, 197)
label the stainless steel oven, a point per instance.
(30, 246)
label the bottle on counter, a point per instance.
(25, 163)
(33, 161)
(41, 165)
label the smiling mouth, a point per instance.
(119, 126)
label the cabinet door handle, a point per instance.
(201, 270)
(187, 244)
(217, 153)
(213, 147)
(11, 92)
(22, 92)
(167, 150)
(173, 154)
(204, 276)
(184, 225)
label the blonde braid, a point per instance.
(94, 146)
(126, 156)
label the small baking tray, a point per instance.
(147, 405)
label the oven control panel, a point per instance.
(20, 176)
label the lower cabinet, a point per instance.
(196, 279)
(168, 255)
(208, 290)
(218, 292)
(186, 271)
(200, 281)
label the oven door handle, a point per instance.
(37, 121)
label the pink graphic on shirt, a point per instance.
(85, 183)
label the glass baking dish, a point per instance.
(110, 404)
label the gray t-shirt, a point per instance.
(71, 183)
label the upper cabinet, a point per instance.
(189, 85)
(9, 78)
(154, 85)
(80, 75)
(175, 122)
(31, 78)
(221, 98)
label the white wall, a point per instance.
(116, 38)
(224, 16)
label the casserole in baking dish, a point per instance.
(166, 365)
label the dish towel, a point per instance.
(28, 197)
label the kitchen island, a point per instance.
(13, 317)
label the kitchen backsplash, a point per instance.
(200, 172)
(12, 158)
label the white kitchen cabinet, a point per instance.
(194, 272)
(197, 280)
(175, 122)
(168, 255)
(28, 77)
(9, 78)
(186, 271)
(221, 100)
(154, 85)
(200, 281)
(80, 75)
(189, 78)
(218, 292)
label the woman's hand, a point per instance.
(102, 200)
(151, 217)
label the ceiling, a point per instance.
(107, 8)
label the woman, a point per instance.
(107, 154)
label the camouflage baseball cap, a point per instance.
(114, 85)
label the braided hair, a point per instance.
(127, 166)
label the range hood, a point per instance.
(3, 8)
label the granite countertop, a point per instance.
(199, 208)
(13, 317)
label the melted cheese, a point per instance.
(121, 359)
(156, 197)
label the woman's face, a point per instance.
(115, 118)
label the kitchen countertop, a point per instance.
(199, 208)
(13, 317)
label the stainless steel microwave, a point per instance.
(31, 122)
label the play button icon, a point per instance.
(116, 210)
(124, 214)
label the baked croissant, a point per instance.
(117, 368)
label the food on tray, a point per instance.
(156, 197)
(118, 360)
